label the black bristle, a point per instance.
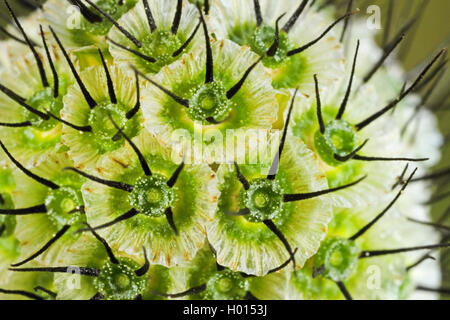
(235, 89)
(424, 100)
(381, 215)
(20, 100)
(443, 291)
(388, 24)
(173, 179)
(9, 34)
(400, 179)
(282, 266)
(73, 126)
(376, 253)
(352, 154)
(55, 238)
(207, 6)
(49, 292)
(364, 158)
(272, 227)
(97, 296)
(344, 290)
(383, 58)
(169, 216)
(109, 183)
(141, 157)
(127, 215)
(143, 270)
(276, 162)
(177, 17)
(39, 209)
(188, 41)
(16, 125)
(52, 65)
(395, 102)
(349, 87)
(22, 293)
(150, 19)
(293, 19)
(86, 12)
(431, 224)
(91, 272)
(274, 47)
(436, 175)
(306, 196)
(209, 75)
(438, 198)
(130, 114)
(346, 22)
(183, 102)
(424, 258)
(128, 35)
(258, 14)
(27, 172)
(111, 91)
(313, 42)
(31, 46)
(105, 244)
(319, 106)
(135, 52)
(90, 101)
(241, 177)
(190, 292)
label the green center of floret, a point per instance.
(209, 101)
(340, 138)
(111, 7)
(43, 100)
(262, 40)
(119, 281)
(226, 285)
(151, 195)
(63, 206)
(264, 198)
(160, 45)
(106, 134)
(338, 258)
(42, 133)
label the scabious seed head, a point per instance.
(209, 229)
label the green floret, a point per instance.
(338, 258)
(151, 195)
(111, 8)
(118, 281)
